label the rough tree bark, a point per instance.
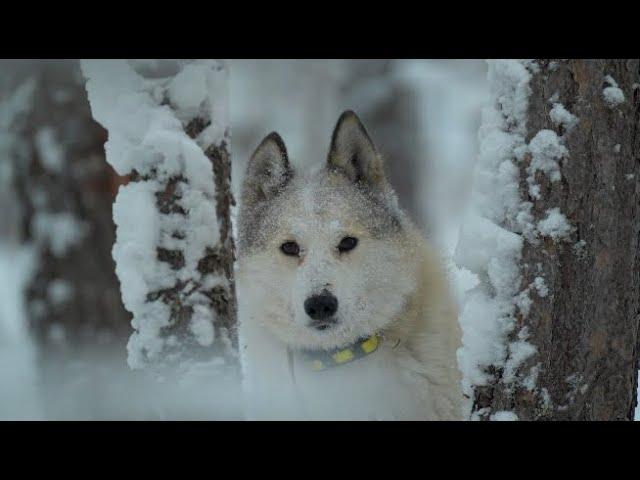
(168, 130)
(217, 259)
(65, 191)
(586, 328)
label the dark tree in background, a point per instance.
(586, 330)
(64, 190)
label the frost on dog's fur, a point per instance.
(391, 283)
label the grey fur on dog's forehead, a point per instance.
(325, 192)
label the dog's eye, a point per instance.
(347, 243)
(290, 248)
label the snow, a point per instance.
(486, 247)
(129, 98)
(20, 398)
(59, 291)
(546, 150)
(489, 239)
(519, 351)
(49, 150)
(555, 225)
(509, 83)
(116, 393)
(493, 233)
(59, 231)
(202, 325)
(523, 300)
(188, 89)
(613, 95)
(498, 223)
(560, 116)
(579, 247)
(541, 286)
(56, 333)
(504, 416)
(138, 233)
(483, 331)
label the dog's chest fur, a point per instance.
(381, 386)
(280, 384)
(417, 379)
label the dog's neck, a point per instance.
(319, 360)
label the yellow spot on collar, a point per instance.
(370, 345)
(323, 360)
(343, 356)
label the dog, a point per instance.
(343, 306)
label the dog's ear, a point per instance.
(268, 171)
(353, 152)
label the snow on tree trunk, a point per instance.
(551, 329)
(174, 251)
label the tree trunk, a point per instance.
(585, 329)
(64, 192)
(168, 129)
(84, 188)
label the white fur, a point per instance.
(395, 287)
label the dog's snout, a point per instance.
(321, 307)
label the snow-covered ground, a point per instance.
(123, 394)
(20, 397)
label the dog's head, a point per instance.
(324, 255)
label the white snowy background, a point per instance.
(301, 100)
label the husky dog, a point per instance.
(344, 308)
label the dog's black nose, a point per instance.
(321, 307)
